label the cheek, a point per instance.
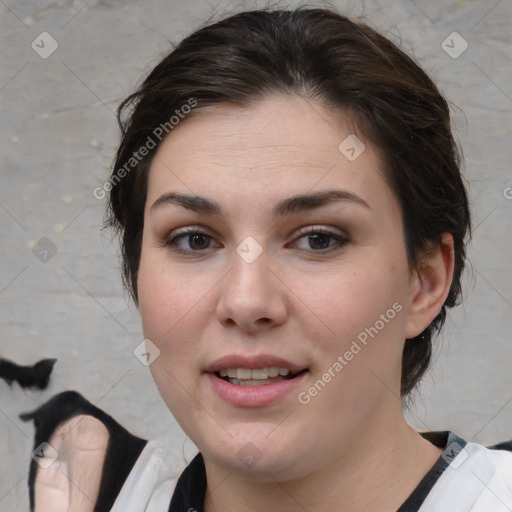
(167, 303)
(358, 295)
(175, 309)
(363, 304)
(159, 311)
(165, 296)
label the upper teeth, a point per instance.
(253, 374)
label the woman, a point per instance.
(293, 224)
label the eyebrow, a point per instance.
(284, 207)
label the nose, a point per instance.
(253, 296)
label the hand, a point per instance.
(71, 482)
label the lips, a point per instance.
(259, 362)
(253, 381)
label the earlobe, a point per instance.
(430, 286)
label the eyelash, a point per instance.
(303, 232)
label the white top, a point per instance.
(150, 484)
(478, 480)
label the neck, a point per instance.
(376, 473)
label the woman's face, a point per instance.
(317, 286)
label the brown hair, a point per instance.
(322, 55)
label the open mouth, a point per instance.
(256, 376)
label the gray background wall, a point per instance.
(58, 135)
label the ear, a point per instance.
(430, 286)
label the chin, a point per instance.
(258, 460)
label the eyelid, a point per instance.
(321, 229)
(169, 241)
(188, 230)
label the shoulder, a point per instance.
(477, 479)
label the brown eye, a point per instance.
(189, 241)
(321, 239)
(200, 239)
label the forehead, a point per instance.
(276, 146)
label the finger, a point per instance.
(74, 479)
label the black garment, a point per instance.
(191, 486)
